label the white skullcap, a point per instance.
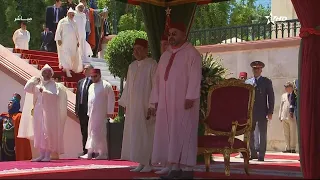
(80, 4)
(70, 11)
(47, 67)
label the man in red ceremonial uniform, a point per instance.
(176, 97)
(243, 76)
(12, 147)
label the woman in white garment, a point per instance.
(81, 19)
(21, 37)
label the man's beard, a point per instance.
(174, 42)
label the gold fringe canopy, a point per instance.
(166, 3)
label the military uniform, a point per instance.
(294, 97)
(263, 105)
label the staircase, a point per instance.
(39, 58)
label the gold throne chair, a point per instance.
(229, 114)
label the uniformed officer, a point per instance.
(262, 109)
(293, 102)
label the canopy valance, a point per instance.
(167, 3)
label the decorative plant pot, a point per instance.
(114, 139)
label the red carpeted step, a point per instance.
(43, 62)
(39, 57)
(42, 53)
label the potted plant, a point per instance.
(212, 73)
(114, 137)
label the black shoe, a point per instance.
(186, 175)
(293, 151)
(253, 157)
(260, 159)
(287, 151)
(172, 174)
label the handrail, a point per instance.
(250, 32)
(23, 71)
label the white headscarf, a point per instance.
(80, 4)
(71, 10)
(47, 67)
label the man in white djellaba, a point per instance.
(101, 102)
(176, 97)
(21, 37)
(81, 19)
(139, 125)
(49, 114)
(67, 38)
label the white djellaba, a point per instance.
(138, 129)
(84, 47)
(68, 52)
(101, 102)
(48, 116)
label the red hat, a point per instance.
(243, 74)
(164, 37)
(95, 71)
(141, 42)
(179, 26)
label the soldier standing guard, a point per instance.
(262, 109)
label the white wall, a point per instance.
(72, 134)
(283, 8)
(8, 87)
(281, 66)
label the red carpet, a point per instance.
(124, 173)
(102, 169)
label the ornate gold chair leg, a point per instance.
(226, 155)
(207, 157)
(246, 162)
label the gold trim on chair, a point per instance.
(246, 131)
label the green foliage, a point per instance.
(126, 16)
(211, 15)
(127, 22)
(34, 9)
(212, 73)
(119, 51)
(118, 119)
(230, 13)
(244, 12)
